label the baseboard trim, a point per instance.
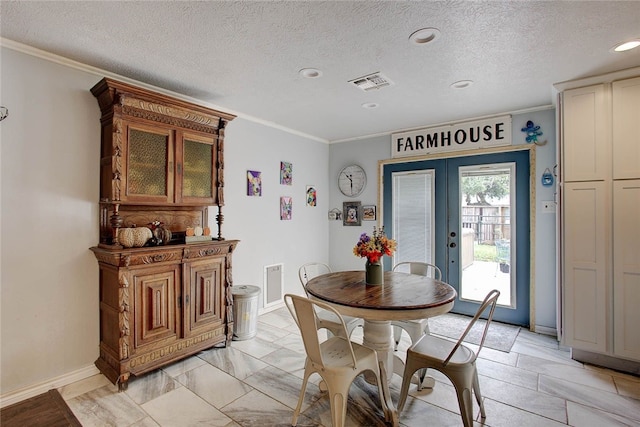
(19, 395)
(606, 361)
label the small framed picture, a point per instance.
(286, 173)
(369, 213)
(352, 213)
(254, 183)
(286, 208)
(312, 195)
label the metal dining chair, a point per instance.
(327, 320)
(337, 360)
(453, 359)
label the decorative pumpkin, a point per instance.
(197, 231)
(163, 235)
(206, 231)
(134, 236)
(190, 231)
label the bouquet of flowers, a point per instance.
(375, 246)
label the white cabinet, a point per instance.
(626, 268)
(600, 221)
(586, 234)
(586, 129)
(626, 134)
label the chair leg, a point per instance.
(409, 369)
(476, 391)
(463, 383)
(338, 403)
(296, 412)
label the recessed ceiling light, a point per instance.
(370, 105)
(424, 36)
(632, 44)
(461, 84)
(310, 73)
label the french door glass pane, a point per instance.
(487, 195)
(413, 218)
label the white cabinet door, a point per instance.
(586, 224)
(586, 142)
(626, 267)
(626, 137)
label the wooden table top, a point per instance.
(402, 296)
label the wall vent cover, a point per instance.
(371, 81)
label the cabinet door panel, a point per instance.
(206, 286)
(155, 309)
(626, 267)
(626, 138)
(585, 249)
(586, 143)
(197, 181)
(148, 165)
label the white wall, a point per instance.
(367, 153)
(49, 216)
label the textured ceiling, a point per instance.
(244, 57)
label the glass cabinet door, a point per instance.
(197, 179)
(149, 166)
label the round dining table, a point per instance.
(403, 296)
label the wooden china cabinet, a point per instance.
(161, 161)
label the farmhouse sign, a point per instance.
(491, 132)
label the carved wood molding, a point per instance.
(123, 315)
(116, 159)
(173, 348)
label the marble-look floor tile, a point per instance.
(588, 396)
(509, 374)
(629, 387)
(416, 413)
(523, 398)
(182, 366)
(145, 422)
(256, 347)
(542, 352)
(364, 407)
(501, 415)
(293, 342)
(574, 374)
(283, 387)
(584, 416)
(442, 395)
(270, 333)
(149, 386)
(505, 358)
(233, 361)
(183, 408)
(277, 318)
(83, 386)
(286, 359)
(213, 385)
(105, 407)
(256, 409)
(538, 339)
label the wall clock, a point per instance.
(352, 180)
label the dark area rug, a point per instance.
(500, 336)
(45, 410)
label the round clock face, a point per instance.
(352, 180)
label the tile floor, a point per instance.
(256, 383)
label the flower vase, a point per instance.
(374, 273)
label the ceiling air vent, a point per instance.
(371, 81)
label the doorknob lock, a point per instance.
(452, 244)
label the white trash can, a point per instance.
(245, 311)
